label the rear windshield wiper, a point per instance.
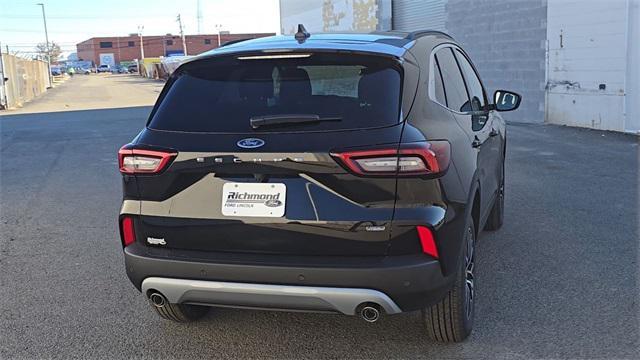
(267, 120)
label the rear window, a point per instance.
(223, 95)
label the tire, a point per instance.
(496, 216)
(181, 313)
(451, 320)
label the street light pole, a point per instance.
(46, 36)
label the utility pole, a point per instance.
(46, 36)
(219, 28)
(119, 54)
(140, 28)
(184, 42)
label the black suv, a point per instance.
(335, 173)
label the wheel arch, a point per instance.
(453, 238)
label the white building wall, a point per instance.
(632, 105)
(587, 42)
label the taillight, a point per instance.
(412, 159)
(136, 161)
(127, 231)
(427, 241)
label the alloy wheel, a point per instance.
(469, 262)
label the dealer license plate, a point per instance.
(251, 199)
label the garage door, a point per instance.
(412, 15)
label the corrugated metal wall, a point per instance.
(411, 15)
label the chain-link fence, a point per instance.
(21, 80)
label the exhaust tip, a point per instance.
(157, 299)
(370, 313)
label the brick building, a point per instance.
(127, 48)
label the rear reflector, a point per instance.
(127, 231)
(422, 158)
(427, 242)
(136, 161)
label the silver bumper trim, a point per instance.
(282, 297)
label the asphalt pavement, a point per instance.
(559, 280)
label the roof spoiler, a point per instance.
(231, 42)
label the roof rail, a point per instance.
(420, 33)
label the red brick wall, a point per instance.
(154, 46)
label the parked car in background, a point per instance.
(56, 71)
(103, 68)
(133, 68)
(342, 173)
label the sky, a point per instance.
(72, 21)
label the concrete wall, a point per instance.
(515, 44)
(27, 80)
(506, 41)
(335, 15)
(588, 44)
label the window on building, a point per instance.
(106, 44)
(169, 42)
(473, 82)
(455, 90)
(207, 41)
(131, 44)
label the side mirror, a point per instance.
(506, 100)
(6, 79)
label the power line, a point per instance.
(36, 31)
(80, 17)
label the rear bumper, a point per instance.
(410, 282)
(280, 297)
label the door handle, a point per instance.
(493, 132)
(476, 143)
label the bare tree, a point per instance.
(54, 49)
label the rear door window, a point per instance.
(222, 95)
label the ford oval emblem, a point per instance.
(273, 203)
(250, 143)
